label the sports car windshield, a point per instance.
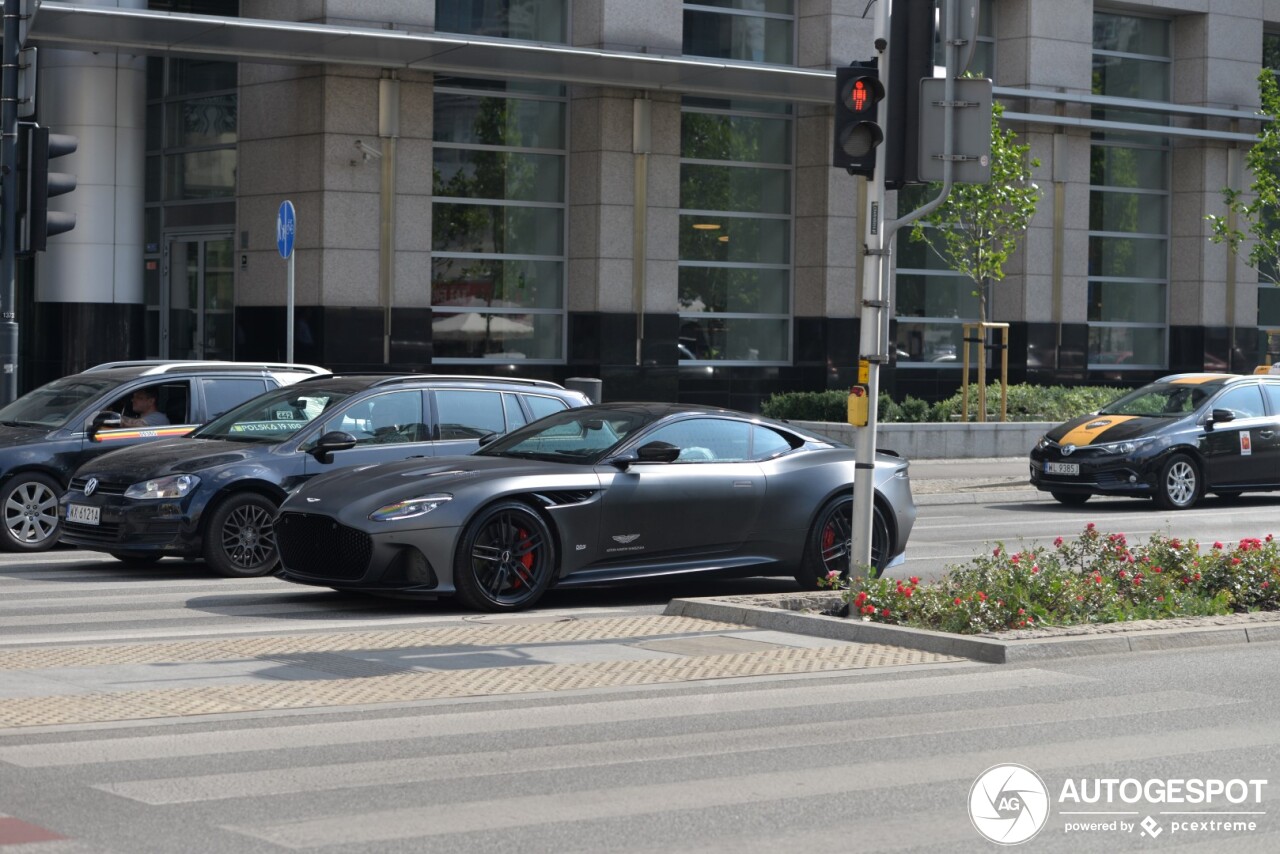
(53, 404)
(1161, 400)
(272, 418)
(575, 436)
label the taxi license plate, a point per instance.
(84, 514)
(1072, 469)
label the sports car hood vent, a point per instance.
(565, 497)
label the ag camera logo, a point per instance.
(1008, 804)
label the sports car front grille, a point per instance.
(320, 547)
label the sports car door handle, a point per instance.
(742, 483)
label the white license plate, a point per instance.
(1072, 469)
(83, 513)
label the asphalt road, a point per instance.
(164, 710)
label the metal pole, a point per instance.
(871, 347)
(9, 193)
(288, 356)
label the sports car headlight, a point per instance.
(409, 508)
(1126, 447)
(176, 486)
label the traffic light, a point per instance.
(39, 185)
(911, 45)
(857, 133)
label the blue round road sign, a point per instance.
(286, 225)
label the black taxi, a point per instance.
(1173, 440)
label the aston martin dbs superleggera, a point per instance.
(595, 495)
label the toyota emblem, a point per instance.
(90, 485)
(1068, 450)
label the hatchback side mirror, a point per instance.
(104, 420)
(1221, 416)
(327, 444)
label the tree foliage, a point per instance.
(1259, 208)
(977, 228)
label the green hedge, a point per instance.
(1025, 403)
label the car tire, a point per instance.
(506, 559)
(830, 538)
(1071, 499)
(137, 558)
(240, 539)
(1180, 485)
(30, 503)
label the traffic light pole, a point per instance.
(9, 194)
(873, 340)
(873, 330)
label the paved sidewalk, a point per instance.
(969, 481)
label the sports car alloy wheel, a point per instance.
(1179, 486)
(831, 542)
(30, 514)
(241, 538)
(506, 559)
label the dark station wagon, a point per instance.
(214, 494)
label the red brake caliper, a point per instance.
(526, 561)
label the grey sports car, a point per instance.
(595, 495)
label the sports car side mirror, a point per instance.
(330, 442)
(658, 452)
(104, 420)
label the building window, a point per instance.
(498, 220)
(1129, 198)
(529, 20)
(735, 231)
(748, 30)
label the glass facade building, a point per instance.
(636, 192)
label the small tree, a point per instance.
(1262, 212)
(977, 228)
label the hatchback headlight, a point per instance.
(176, 486)
(1126, 447)
(409, 508)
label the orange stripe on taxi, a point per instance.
(1089, 432)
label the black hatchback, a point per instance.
(1172, 440)
(46, 434)
(214, 493)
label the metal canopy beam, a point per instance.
(76, 27)
(80, 27)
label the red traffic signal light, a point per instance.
(857, 131)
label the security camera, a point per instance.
(367, 150)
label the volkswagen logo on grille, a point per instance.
(1068, 450)
(90, 485)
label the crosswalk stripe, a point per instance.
(513, 811)
(438, 725)
(293, 780)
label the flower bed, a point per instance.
(1095, 578)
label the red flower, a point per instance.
(1057, 542)
(1089, 527)
(957, 600)
(1217, 544)
(982, 596)
(1021, 612)
(995, 552)
(914, 580)
(1034, 569)
(885, 612)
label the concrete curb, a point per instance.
(982, 496)
(734, 610)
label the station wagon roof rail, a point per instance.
(164, 366)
